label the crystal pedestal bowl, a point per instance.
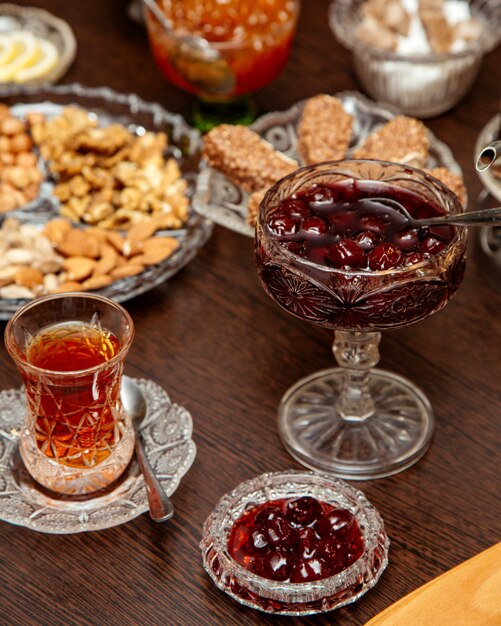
(349, 266)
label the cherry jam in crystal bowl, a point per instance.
(294, 543)
(331, 260)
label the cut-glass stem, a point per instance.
(357, 353)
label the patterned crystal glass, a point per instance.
(357, 421)
(288, 598)
(76, 437)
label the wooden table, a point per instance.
(224, 350)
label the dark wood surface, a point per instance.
(224, 350)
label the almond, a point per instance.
(28, 277)
(129, 269)
(79, 267)
(98, 233)
(141, 231)
(97, 282)
(50, 282)
(131, 248)
(8, 272)
(73, 243)
(19, 256)
(157, 249)
(108, 260)
(7, 203)
(92, 245)
(116, 240)
(15, 291)
(69, 285)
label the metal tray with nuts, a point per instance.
(95, 194)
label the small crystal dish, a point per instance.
(291, 598)
(421, 85)
(47, 26)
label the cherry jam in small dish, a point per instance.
(294, 543)
(296, 539)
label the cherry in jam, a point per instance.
(328, 225)
(296, 540)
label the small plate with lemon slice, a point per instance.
(35, 46)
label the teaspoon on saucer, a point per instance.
(484, 216)
(161, 508)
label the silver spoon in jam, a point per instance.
(484, 216)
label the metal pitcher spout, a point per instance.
(488, 156)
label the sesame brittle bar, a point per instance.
(245, 158)
(324, 131)
(401, 140)
(255, 200)
(453, 181)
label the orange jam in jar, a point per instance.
(248, 43)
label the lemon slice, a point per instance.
(25, 48)
(44, 61)
(7, 49)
